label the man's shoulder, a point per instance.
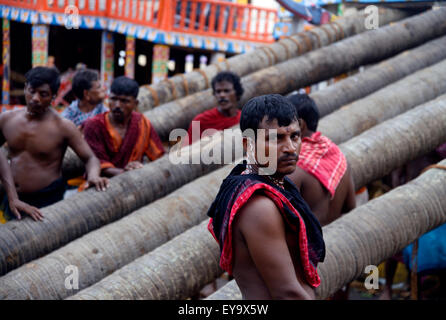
(259, 206)
(259, 212)
(99, 109)
(62, 122)
(13, 113)
(95, 121)
(206, 114)
(71, 109)
(328, 140)
(7, 116)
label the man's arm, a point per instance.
(263, 229)
(15, 204)
(111, 172)
(84, 152)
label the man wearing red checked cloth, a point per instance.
(322, 175)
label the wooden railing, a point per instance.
(224, 19)
(202, 17)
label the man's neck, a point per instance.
(229, 112)
(307, 133)
(119, 124)
(85, 106)
(37, 116)
(276, 179)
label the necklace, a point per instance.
(277, 182)
(252, 169)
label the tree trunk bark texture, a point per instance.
(103, 251)
(376, 77)
(64, 221)
(344, 91)
(185, 84)
(405, 94)
(313, 67)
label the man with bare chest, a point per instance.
(37, 138)
(269, 238)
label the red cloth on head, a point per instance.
(114, 151)
(213, 119)
(323, 159)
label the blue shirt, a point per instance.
(73, 113)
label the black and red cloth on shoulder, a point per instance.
(237, 189)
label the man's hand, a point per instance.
(133, 165)
(100, 183)
(18, 206)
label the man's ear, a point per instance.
(245, 144)
(85, 92)
(136, 104)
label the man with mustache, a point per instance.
(37, 139)
(322, 174)
(269, 239)
(227, 90)
(122, 137)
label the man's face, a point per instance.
(121, 107)
(225, 94)
(96, 94)
(285, 146)
(38, 99)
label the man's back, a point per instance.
(314, 193)
(344, 199)
(319, 199)
(36, 148)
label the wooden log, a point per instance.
(376, 77)
(64, 221)
(345, 91)
(313, 67)
(171, 265)
(182, 85)
(103, 251)
(413, 90)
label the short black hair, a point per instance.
(307, 109)
(38, 76)
(273, 106)
(229, 77)
(125, 86)
(82, 80)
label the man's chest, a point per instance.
(32, 137)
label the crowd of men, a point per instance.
(269, 227)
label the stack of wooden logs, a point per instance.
(146, 237)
